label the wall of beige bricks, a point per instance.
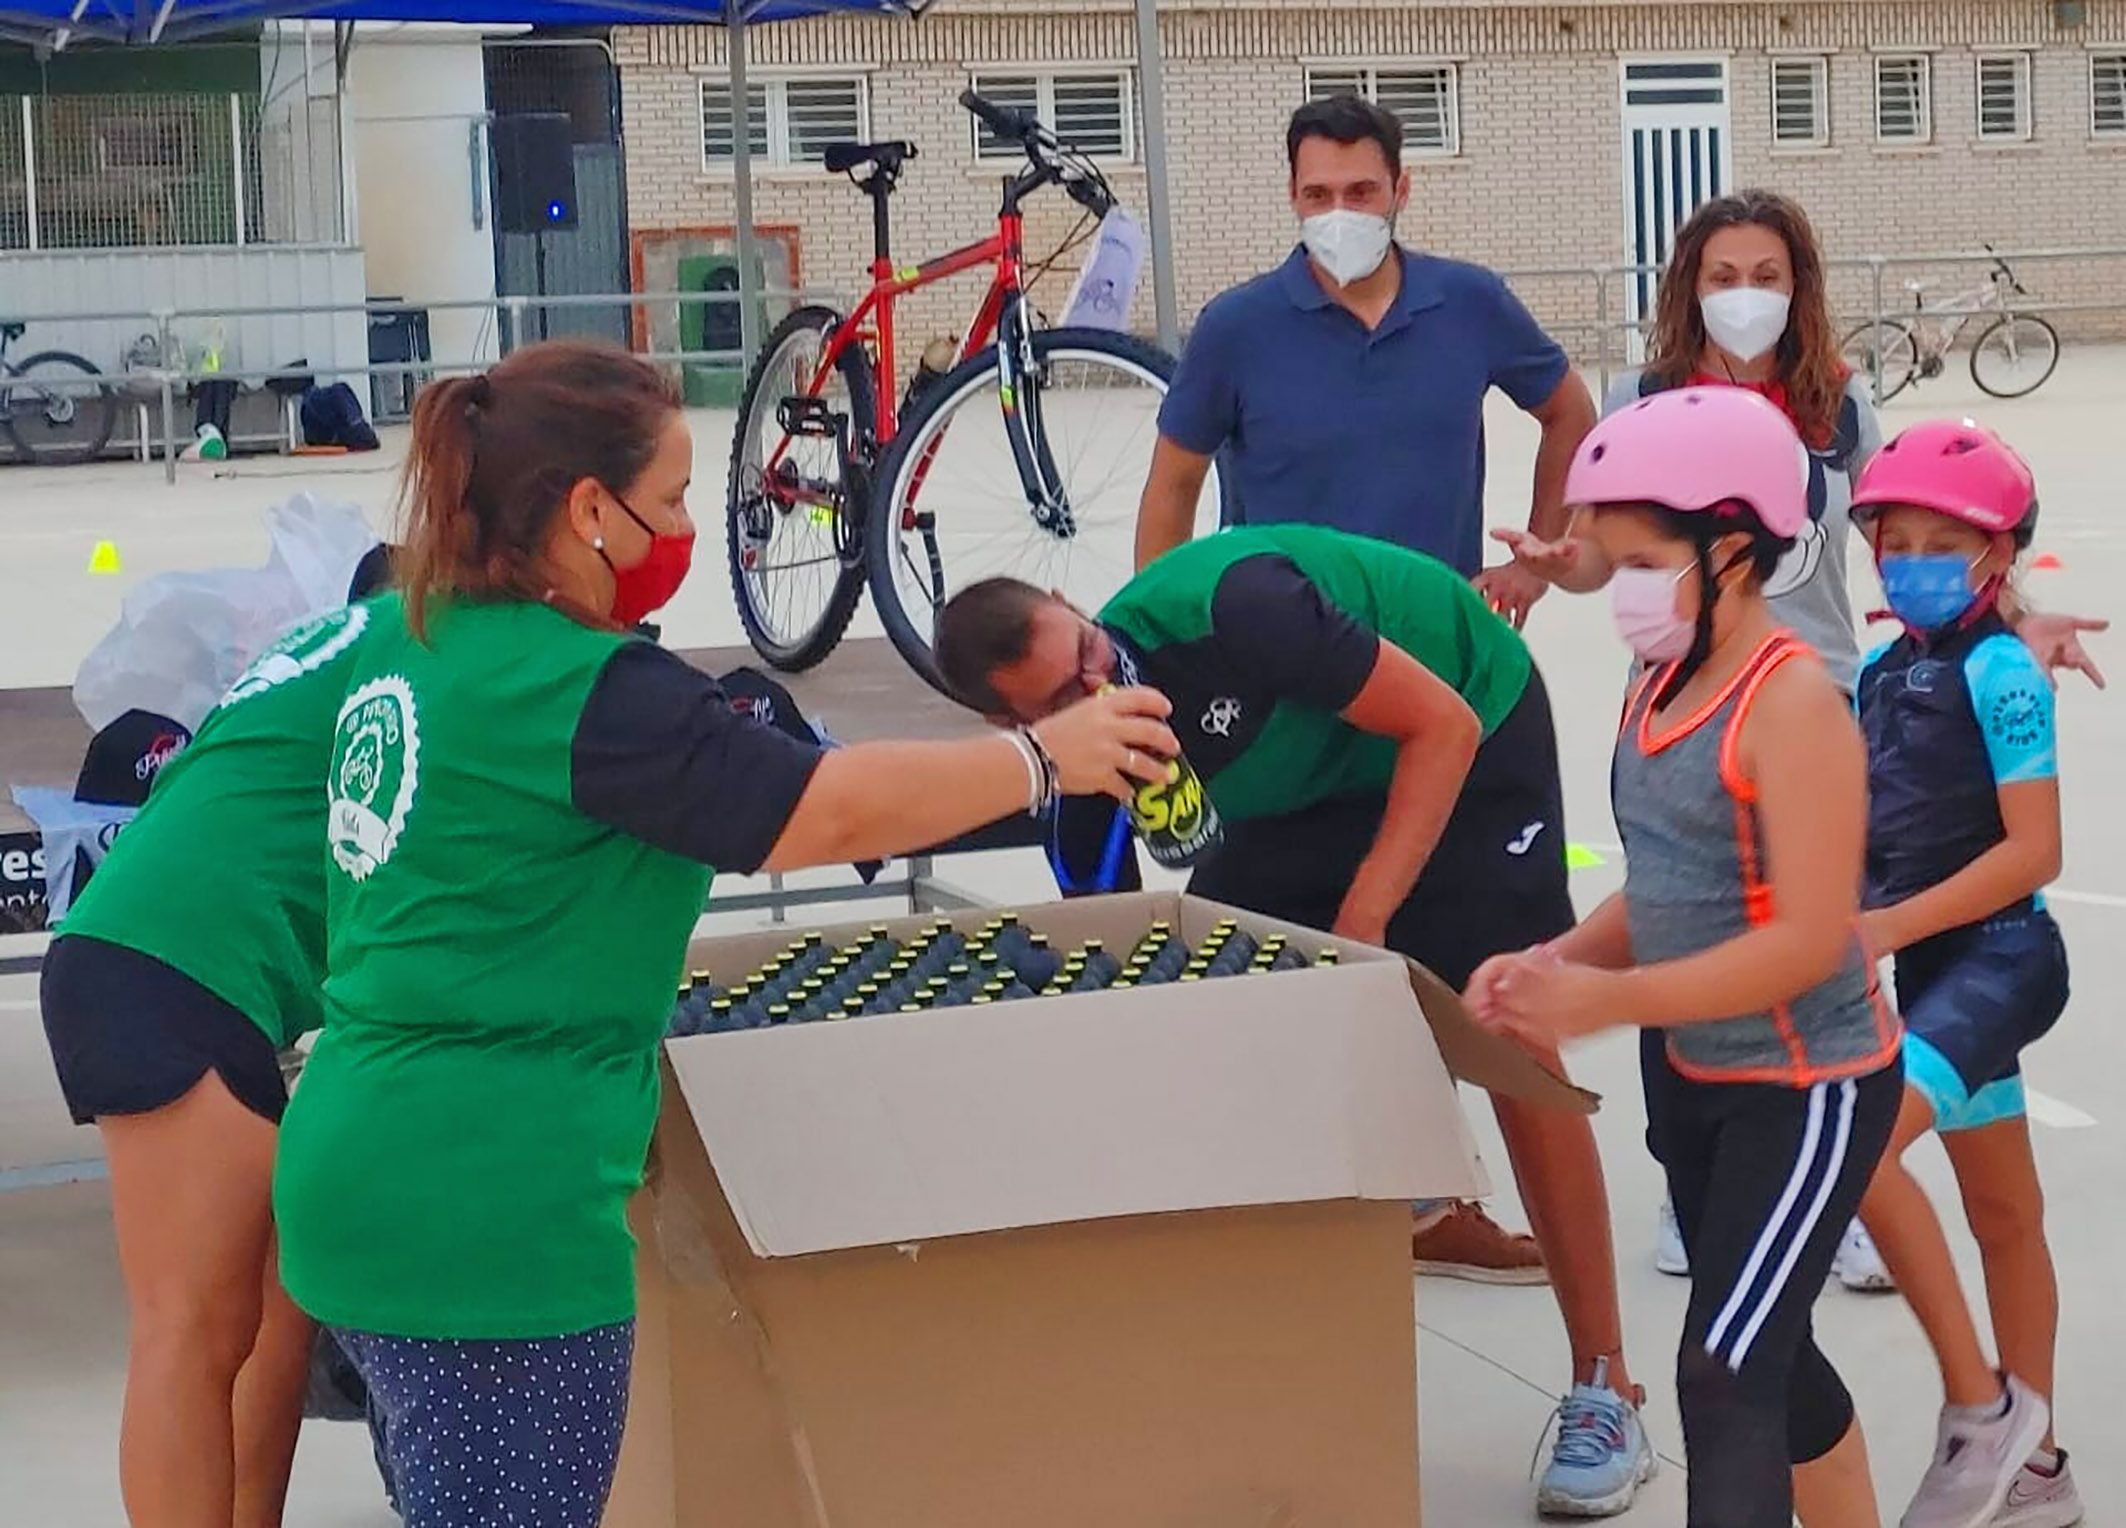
(1539, 180)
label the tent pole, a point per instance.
(1151, 85)
(734, 28)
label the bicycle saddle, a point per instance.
(12, 331)
(842, 157)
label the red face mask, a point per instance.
(650, 584)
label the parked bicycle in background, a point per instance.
(55, 406)
(2012, 356)
(1021, 457)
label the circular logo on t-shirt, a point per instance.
(302, 650)
(2017, 717)
(376, 768)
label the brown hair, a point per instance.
(1806, 359)
(986, 626)
(495, 455)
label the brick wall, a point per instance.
(1538, 183)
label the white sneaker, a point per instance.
(1859, 1266)
(1669, 1255)
(2041, 1501)
(1978, 1454)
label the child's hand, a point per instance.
(1483, 995)
(1545, 999)
(1879, 934)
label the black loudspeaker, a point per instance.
(535, 173)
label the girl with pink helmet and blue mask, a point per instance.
(1740, 789)
(1963, 836)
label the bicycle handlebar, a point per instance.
(1005, 121)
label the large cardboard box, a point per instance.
(1136, 1258)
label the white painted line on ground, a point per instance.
(53, 1174)
(2052, 893)
(2057, 1113)
(2084, 898)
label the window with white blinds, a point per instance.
(2107, 95)
(1090, 110)
(1801, 108)
(2003, 97)
(1904, 98)
(789, 121)
(1425, 98)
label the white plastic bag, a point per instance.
(1107, 282)
(183, 638)
(74, 833)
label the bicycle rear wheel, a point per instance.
(57, 409)
(795, 502)
(1883, 349)
(2015, 355)
(950, 508)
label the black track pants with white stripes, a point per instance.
(1764, 1180)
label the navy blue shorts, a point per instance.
(130, 1034)
(497, 1434)
(1496, 881)
(1973, 998)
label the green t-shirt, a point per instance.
(457, 1158)
(1260, 635)
(222, 875)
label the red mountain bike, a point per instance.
(1024, 456)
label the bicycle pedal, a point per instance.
(810, 418)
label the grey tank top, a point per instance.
(1694, 878)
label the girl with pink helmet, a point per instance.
(1739, 785)
(1963, 836)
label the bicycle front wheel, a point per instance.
(57, 409)
(795, 501)
(2015, 355)
(951, 509)
(1886, 350)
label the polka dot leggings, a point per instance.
(478, 1434)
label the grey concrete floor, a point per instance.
(1491, 1359)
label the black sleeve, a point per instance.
(1275, 625)
(660, 754)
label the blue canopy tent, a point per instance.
(51, 25)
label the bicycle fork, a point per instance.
(1019, 392)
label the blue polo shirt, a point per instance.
(1380, 432)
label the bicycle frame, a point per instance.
(872, 327)
(1938, 325)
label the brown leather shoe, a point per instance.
(1465, 1243)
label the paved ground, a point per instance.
(1491, 1358)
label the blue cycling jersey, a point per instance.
(1950, 718)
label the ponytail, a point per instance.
(495, 457)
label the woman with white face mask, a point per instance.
(1743, 303)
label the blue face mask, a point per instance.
(1927, 592)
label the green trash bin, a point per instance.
(714, 326)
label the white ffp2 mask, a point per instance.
(1745, 321)
(1350, 246)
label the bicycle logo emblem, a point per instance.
(1219, 716)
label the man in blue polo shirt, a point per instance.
(1346, 387)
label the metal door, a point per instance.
(1678, 152)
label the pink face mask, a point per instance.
(1643, 603)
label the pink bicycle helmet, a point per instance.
(1695, 449)
(1955, 468)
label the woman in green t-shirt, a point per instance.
(526, 802)
(191, 957)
